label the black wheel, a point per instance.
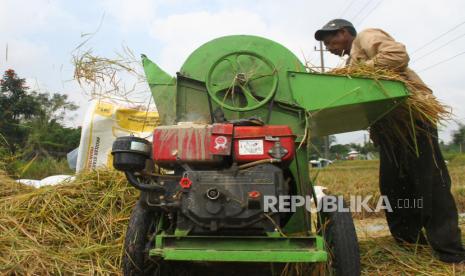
(142, 225)
(341, 241)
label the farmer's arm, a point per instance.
(383, 50)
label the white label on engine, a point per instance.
(250, 147)
(139, 146)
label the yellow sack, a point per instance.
(104, 122)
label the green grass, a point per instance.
(457, 160)
(39, 168)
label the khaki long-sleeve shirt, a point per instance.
(375, 47)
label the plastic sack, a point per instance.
(48, 181)
(103, 123)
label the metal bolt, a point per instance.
(213, 194)
(241, 78)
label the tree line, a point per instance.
(32, 123)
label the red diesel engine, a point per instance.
(220, 174)
(199, 145)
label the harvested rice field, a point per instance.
(78, 228)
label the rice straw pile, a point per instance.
(76, 228)
(383, 256)
(8, 187)
(79, 228)
(402, 125)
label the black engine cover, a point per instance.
(230, 200)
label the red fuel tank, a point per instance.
(193, 144)
(252, 143)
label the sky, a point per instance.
(38, 37)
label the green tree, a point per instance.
(458, 137)
(16, 106)
(47, 134)
(318, 145)
(339, 150)
(34, 121)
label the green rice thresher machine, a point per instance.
(235, 122)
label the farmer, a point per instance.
(417, 177)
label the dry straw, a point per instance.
(416, 114)
(78, 229)
(118, 78)
(72, 229)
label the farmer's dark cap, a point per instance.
(331, 26)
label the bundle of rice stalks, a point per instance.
(118, 78)
(419, 112)
(76, 228)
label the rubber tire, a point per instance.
(342, 243)
(136, 259)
